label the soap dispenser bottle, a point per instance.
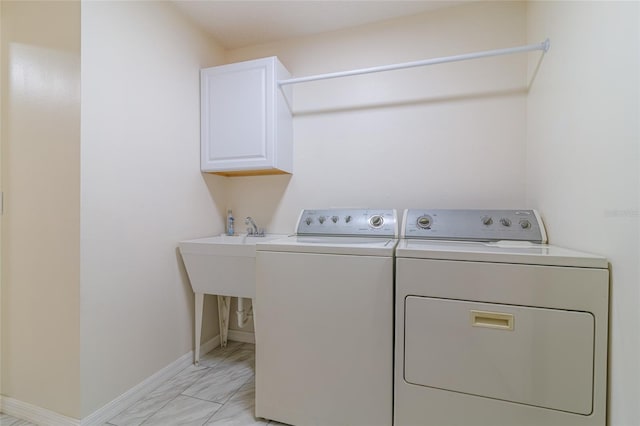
(230, 220)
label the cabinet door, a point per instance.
(238, 108)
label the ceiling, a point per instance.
(239, 23)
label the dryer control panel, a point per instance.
(474, 225)
(362, 222)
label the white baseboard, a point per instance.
(37, 415)
(34, 414)
(138, 392)
(241, 336)
(209, 345)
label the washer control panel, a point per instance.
(474, 225)
(365, 222)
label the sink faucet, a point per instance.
(254, 228)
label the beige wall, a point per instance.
(41, 183)
(109, 300)
(142, 191)
(451, 135)
(2, 85)
(583, 161)
(138, 163)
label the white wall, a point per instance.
(450, 135)
(40, 176)
(3, 72)
(583, 161)
(142, 191)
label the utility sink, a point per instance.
(223, 265)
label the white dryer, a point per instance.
(494, 327)
(324, 320)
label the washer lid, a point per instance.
(362, 246)
(520, 252)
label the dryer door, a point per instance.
(528, 355)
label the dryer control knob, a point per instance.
(334, 219)
(347, 219)
(487, 220)
(424, 222)
(308, 221)
(525, 224)
(376, 221)
(505, 221)
(321, 219)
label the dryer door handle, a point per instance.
(496, 320)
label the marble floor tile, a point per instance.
(219, 391)
(239, 409)
(183, 411)
(181, 381)
(212, 358)
(7, 420)
(243, 357)
(157, 399)
(219, 384)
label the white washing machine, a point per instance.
(494, 327)
(324, 320)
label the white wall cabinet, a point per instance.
(246, 122)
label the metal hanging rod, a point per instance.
(544, 46)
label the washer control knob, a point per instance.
(321, 219)
(505, 221)
(376, 221)
(525, 224)
(487, 220)
(424, 222)
(334, 219)
(308, 221)
(347, 219)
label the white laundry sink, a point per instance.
(223, 265)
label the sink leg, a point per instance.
(224, 303)
(199, 302)
(253, 317)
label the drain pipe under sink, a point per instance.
(243, 316)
